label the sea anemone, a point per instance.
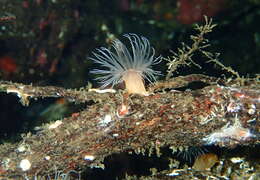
(122, 66)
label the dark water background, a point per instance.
(48, 42)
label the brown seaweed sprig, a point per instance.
(184, 54)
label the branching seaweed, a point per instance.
(185, 53)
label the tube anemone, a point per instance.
(122, 65)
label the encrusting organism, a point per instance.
(121, 65)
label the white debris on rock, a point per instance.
(55, 124)
(89, 157)
(101, 91)
(106, 120)
(25, 165)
